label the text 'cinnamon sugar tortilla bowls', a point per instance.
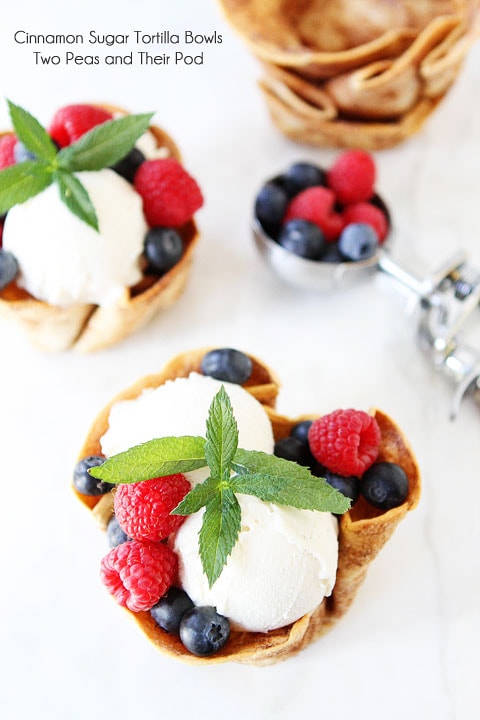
(365, 75)
(87, 326)
(363, 530)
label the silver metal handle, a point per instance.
(446, 298)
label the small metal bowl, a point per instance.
(316, 275)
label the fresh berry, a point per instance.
(300, 430)
(128, 166)
(8, 266)
(7, 150)
(21, 153)
(143, 509)
(203, 631)
(163, 248)
(332, 254)
(302, 175)
(357, 241)
(270, 206)
(72, 121)
(86, 483)
(170, 195)
(115, 534)
(352, 176)
(170, 609)
(348, 486)
(385, 485)
(345, 441)
(138, 573)
(367, 213)
(227, 364)
(291, 448)
(317, 205)
(303, 238)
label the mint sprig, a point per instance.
(22, 181)
(75, 197)
(232, 471)
(155, 458)
(31, 133)
(99, 148)
(219, 532)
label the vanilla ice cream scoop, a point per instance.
(148, 146)
(284, 562)
(283, 565)
(180, 407)
(65, 262)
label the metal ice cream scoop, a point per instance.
(446, 298)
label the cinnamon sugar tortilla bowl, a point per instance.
(323, 38)
(362, 75)
(363, 531)
(88, 328)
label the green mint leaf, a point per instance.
(105, 144)
(222, 436)
(31, 133)
(155, 458)
(197, 498)
(20, 182)
(283, 482)
(219, 532)
(76, 198)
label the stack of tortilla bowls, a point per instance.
(355, 73)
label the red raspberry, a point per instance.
(73, 121)
(316, 204)
(352, 176)
(367, 213)
(170, 195)
(7, 147)
(137, 574)
(345, 441)
(143, 509)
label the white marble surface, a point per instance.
(409, 646)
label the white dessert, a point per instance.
(147, 145)
(65, 262)
(285, 560)
(283, 565)
(180, 407)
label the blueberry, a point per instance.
(318, 469)
(358, 241)
(302, 175)
(115, 534)
(270, 206)
(348, 486)
(332, 254)
(300, 430)
(385, 485)
(227, 364)
(8, 268)
(303, 238)
(21, 153)
(203, 631)
(291, 448)
(128, 165)
(163, 248)
(86, 483)
(170, 609)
